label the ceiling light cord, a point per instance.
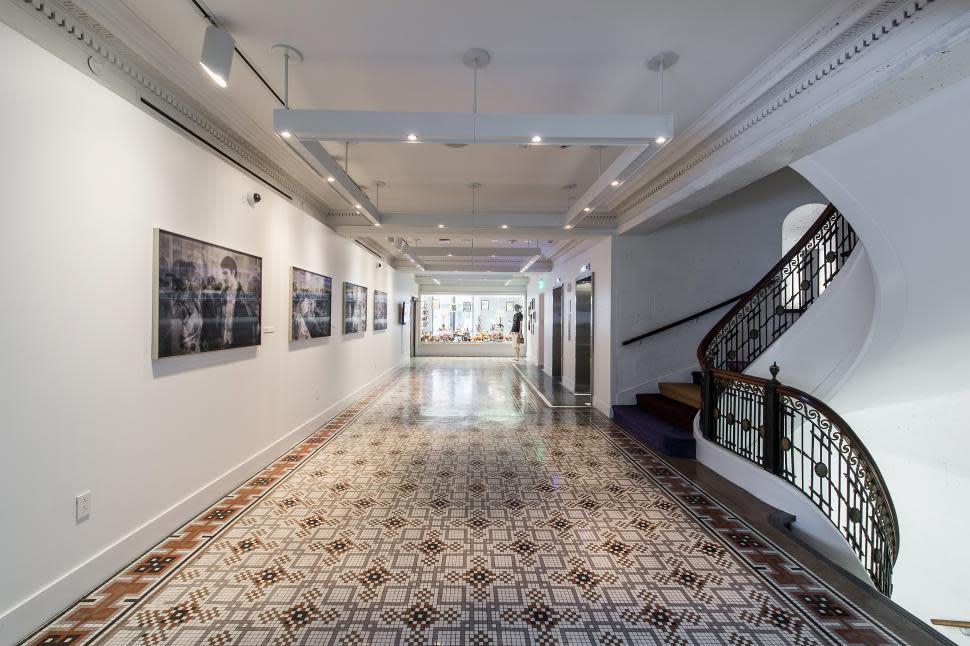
(661, 87)
(286, 80)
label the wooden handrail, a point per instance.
(953, 623)
(764, 282)
(686, 319)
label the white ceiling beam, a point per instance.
(471, 128)
(629, 162)
(466, 220)
(317, 157)
(520, 233)
(472, 252)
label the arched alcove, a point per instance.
(797, 223)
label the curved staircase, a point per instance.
(784, 430)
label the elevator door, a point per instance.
(557, 333)
(584, 335)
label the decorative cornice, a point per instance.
(740, 119)
(92, 39)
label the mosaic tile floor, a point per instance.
(450, 506)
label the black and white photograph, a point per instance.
(310, 297)
(207, 297)
(380, 310)
(355, 308)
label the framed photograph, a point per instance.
(206, 297)
(435, 304)
(355, 308)
(310, 296)
(483, 305)
(380, 310)
(454, 307)
(402, 313)
(509, 305)
(467, 307)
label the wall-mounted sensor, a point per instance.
(253, 198)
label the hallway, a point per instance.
(451, 506)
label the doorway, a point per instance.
(584, 335)
(557, 334)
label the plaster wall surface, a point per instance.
(902, 184)
(717, 252)
(86, 177)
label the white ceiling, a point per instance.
(571, 56)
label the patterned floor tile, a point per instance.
(449, 506)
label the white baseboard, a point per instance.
(21, 620)
(602, 406)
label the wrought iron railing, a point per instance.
(777, 301)
(784, 430)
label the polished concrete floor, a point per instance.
(453, 506)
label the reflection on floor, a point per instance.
(551, 391)
(451, 506)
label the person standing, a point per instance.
(239, 323)
(517, 339)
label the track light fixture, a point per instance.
(217, 50)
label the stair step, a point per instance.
(689, 394)
(660, 435)
(670, 410)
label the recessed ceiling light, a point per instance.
(441, 226)
(377, 224)
(661, 140)
(587, 209)
(505, 226)
(412, 137)
(537, 139)
(449, 255)
(357, 206)
(286, 134)
(615, 182)
(331, 179)
(568, 226)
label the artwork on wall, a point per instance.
(435, 304)
(483, 305)
(310, 296)
(509, 305)
(206, 297)
(380, 310)
(467, 307)
(402, 313)
(532, 316)
(355, 308)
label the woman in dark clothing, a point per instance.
(517, 330)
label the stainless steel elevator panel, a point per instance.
(584, 335)
(557, 333)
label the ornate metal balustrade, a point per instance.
(782, 296)
(784, 430)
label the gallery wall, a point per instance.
(703, 259)
(85, 406)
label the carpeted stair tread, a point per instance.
(658, 434)
(685, 393)
(679, 414)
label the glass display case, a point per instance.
(469, 318)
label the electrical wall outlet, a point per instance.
(82, 506)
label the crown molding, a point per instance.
(840, 73)
(83, 33)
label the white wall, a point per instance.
(597, 253)
(85, 177)
(902, 183)
(715, 253)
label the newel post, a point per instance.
(772, 424)
(708, 405)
